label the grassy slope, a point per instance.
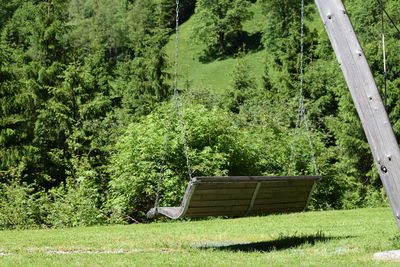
(215, 75)
(349, 238)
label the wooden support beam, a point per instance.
(367, 100)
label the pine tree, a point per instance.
(143, 80)
(17, 108)
(243, 87)
(38, 58)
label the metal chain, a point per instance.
(302, 114)
(176, 93)
(164, 156)
(174, 104)
(183, 135)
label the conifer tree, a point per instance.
(243, 87)
(16, 113)
(146, 73)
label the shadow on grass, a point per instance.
(282, 243)
(235, 42)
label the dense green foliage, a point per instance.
(85, 89)
(217, 23)
(220, 144)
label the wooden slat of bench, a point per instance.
(279, 205)
(208, 197)
(283, 195)
(205, 186)
(227, 203)
(287, 183)
(241, 213)
(284, 190)
(281, 200)
(283, 183)
(245, 206)
(241, 196)
(263, 189)
(221, 203)
(241, 208)
(235, 191)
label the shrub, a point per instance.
(220, 143)
(70, 204)
(17, 206)
(74, 204)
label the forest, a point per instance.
(86, 92)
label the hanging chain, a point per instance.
(164, 156)
(302, 114)
(176, 93)
(174, 104)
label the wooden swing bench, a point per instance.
(238, 196)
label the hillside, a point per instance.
(216, 75)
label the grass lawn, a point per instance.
(330, 238)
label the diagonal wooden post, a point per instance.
(367, 100)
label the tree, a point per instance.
(216, 20)
(142, 79)
(8, 8)
(38, 59)
(243, 86)
(33, 38)
(16, 114)
(100, 24)
(280, 16)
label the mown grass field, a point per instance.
(329, 238)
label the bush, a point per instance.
(18, 206)
(220, 143)
(70, 204)
(74, 204)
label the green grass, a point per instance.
(330, 238)
(215, 75)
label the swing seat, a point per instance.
(238, 196)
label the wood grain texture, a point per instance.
(288, 190)
(365, 94)
(241, 196)
(219, 203)
(229, 197)
(225, 191)
(263, 201)
(205, 186)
